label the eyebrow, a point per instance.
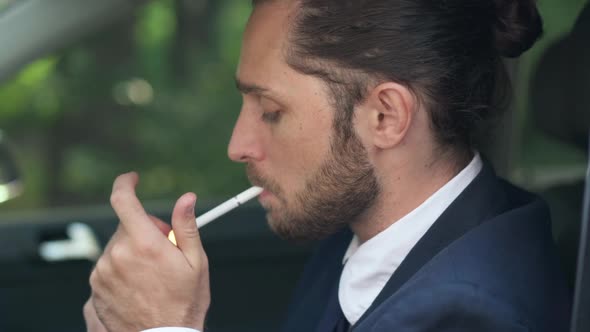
(251, 88)
(247, 88)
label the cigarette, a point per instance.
(223, 208)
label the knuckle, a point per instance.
(119, 253)
(192, 233)
(146, 249)
(204, 263)
(116, 197)
(100, 273)
(93, 280)
(88, 308)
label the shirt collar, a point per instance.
(368, 266)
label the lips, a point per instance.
(256, 179)
(264, 194)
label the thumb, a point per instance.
(185, 228)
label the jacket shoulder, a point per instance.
(504, 271)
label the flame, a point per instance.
(172, 238)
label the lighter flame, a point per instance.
(172, 238)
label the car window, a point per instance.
(152, 92)
(4, 4)
(539, 160)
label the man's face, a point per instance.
(314, 182)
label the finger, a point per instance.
(128, 207)
(185, 228)
(93, 324)
(95, 304)
(117, 236)
(101, 275)
(165, 228)
(88, 311)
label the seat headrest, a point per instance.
(561, 86)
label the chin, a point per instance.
(297, 232)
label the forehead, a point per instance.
(263, 65)
(273, 18)
(265, 39)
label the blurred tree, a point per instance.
(153, 93)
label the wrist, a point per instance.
(197, 321)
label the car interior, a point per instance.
(542, 144)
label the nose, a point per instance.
(246, 143)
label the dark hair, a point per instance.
(448, 52)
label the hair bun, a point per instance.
(518, 26)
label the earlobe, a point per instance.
(393, 108)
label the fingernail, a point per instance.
(191, 209)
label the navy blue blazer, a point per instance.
(487, 264)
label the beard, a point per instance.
(335, 195)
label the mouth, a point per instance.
(264, 194)
(269, 188)
(265, 197)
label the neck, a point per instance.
(404, 189)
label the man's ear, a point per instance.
(391, 109)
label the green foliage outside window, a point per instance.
(153, 93)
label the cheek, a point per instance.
(297, 152)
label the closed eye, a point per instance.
(271, 117)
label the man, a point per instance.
(358, 119)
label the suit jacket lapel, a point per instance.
(310, 307)
(480, 200)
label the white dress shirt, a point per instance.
(171, 329)
(368, 266)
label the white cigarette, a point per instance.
(227, 206)
(223, 208)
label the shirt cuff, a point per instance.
(171, 329)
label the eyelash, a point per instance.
(271, 117)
